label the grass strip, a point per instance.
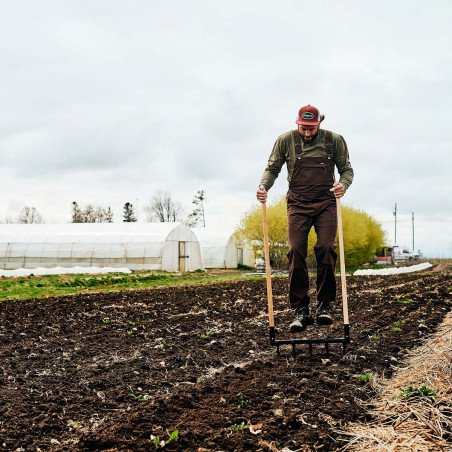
(24, 288)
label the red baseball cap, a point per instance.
(308, 116)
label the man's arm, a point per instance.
(342, 161)
(274, 165)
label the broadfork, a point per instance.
(329, 340)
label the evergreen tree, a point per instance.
(109, 216)
(129, 214)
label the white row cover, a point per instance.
(137, 246)
(393, 270)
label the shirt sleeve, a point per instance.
(274, 165)
(342, 161)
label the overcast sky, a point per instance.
(107, 102)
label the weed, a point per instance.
(96, 304)
(173, 436)
(138, 398)
(374, 336)
(129, 331)
(365, 377)
(419, 393)
(158, 443)
(398, 322)
(242, 401)
(237, 427)
(204, 336)
(400, 300)
(396, 329)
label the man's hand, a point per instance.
(261, 194)
(339, 190)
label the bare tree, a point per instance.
(77, 214)
(30, 215)
(8, 219)
(91, 214)
(162, 208)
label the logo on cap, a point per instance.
(307, 115)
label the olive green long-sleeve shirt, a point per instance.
(284, 152)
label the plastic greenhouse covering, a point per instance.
(221, 249)
(137, 246)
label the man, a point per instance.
(310, 154)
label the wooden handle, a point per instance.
(342, 259)
(268, 273)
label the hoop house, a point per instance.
(137, 246)
(221, 249)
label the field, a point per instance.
(192, 366)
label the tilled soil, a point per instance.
(114, 371)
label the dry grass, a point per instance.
(416, 423)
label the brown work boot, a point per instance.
(324, 313)
(302, 319)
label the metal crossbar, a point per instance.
(326, 341)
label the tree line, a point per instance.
(363, 235)
(161, 208)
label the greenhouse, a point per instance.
(137, 246)
(221, 249)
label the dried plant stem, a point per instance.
(412, 424)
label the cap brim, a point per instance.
(308, 123)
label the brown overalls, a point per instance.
(311, 203)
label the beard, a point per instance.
(309, 139)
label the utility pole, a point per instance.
(412, 222)
(395, 224)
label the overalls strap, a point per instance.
(297, 140)
(329, 143)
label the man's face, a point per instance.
(308, 133)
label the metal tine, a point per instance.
(327, 349)
(294, 350)
(310, 349)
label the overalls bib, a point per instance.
(311, 203)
